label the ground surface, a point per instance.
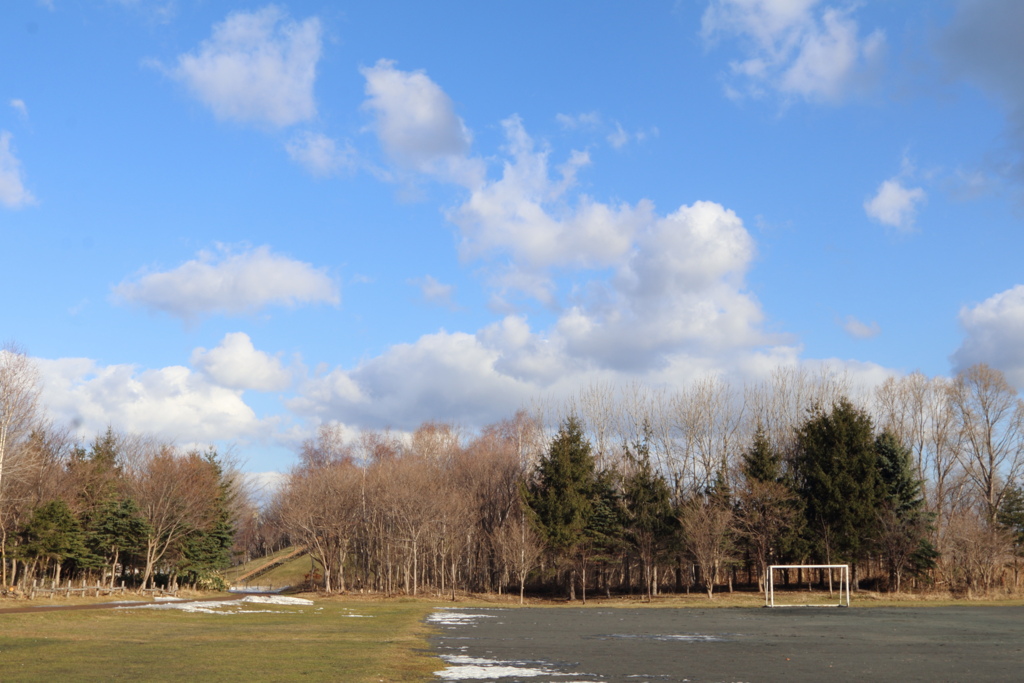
(222, 640)
(962, 643)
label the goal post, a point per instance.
(843, 577)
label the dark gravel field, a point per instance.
(968, 643)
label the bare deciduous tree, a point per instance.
(991, 421)
(320, 508)
(19, 406)
(519, 547)
(175, 494)
(707, 527)
(767, 510)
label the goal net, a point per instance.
(822, 585)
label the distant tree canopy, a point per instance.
(640, 489)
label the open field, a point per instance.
(729, 638)
(932, 643)
(331, 640)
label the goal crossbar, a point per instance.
(844, 583)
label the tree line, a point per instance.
(123, 508)
(632, 489)
(644, 491)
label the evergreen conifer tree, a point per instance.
(837, 477)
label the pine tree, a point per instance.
(54, 534)
(561, 496)
(761, 462)
(837, 477)
(1011, 516)
(769, 513)
(649, 522)
(569, 503)
(903, 523)
(116, 532)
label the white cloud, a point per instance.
(674, 310)
(13, 193)
(416, 123)
(20, 107)
(230, 283)
(445, 376)
(479, 379)
(794, 47)
(895, 205)
(320, 154)
(257, 67)
(656, 297)
(681, 290)
(236, 364)
(171, 403)
(861, 330)
(526, 213)
(995, 335)
(435, 292)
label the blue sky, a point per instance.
(229, 221)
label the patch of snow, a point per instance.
(224, 606)
(683, 637)
(463, 668)
(447, 618)
(276, 600)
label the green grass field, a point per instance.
(322, 642)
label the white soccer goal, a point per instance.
(843, 581)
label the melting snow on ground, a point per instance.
(452, 618)
(466, 668)
(683, 637)
(463, 668)
(225, 606)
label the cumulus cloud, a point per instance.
(861, 330)
(257, 67)
(236, 364)
(681, 290)
(528, 213)
(995, 335)
(895, 205)
(229, 283)
(443, 374)
(657, 297)
(13, 193)
(319, 154)
(482, 378)
(795, 47)
(674, 310)
(415, 121)
(172, 403)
